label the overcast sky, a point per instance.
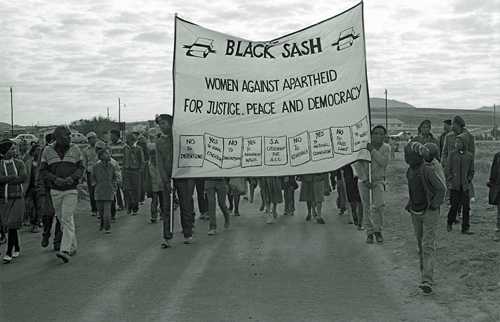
(72, 59)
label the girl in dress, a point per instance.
(312, 191)
(271, 195)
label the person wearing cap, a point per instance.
(62, 169)
(133, 165)
(12, 206)
(89, 161)
(116, 147)
(446, 130)
(459, 174)
(427, 189)
(185, 187)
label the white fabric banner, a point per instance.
(294, 105)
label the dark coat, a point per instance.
(460, 170)
(494, 182)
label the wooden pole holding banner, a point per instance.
(172, 187)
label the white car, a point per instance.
(78, 138)
(29, 138)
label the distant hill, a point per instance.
(488, 108)
(377, 103)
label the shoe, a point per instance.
(467, 232)
(472, 200)
(15, 254)
(350, 222)
(285, 213)
(165, 244)
(72, 253)
(134, 213)
(57, 248)
(341, 212)
(261, 207)
(153, 221)
(35, 229)
(369, 239)
(7, 259)
(291, 213)
(426, 288)
(308, 217)
(320, 220)
(379, 238)
(237, 213)
(45, 241)
(98, 217)
(270, 219)
(227, 223)
(107, 231)
(275, 215)
(113, 219)
(64, 256)
(361, 228)
(212, 232)
(94, 214)
(449, 227)
(188, 240)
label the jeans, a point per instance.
(425, 226)
(65, 203)
(460, 199)
(373, 214)
(216, 187)
(104, 209)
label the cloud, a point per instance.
(153, 36)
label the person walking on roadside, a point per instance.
(12, 206)
(104, 181)
(272, 195)
(118, 175)
(459, 174)
(494, 191)
(133, 163)
(289, 187)
(62, 169)
(89, 161)
(154, 186)
(427, 190)
(374, 205)
(33, 206)
(312, 191)
(216, 187)
(353, 196)
(116, 147)
(46, 206)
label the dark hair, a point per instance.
(166, 117)
(49, 137)
(379, 127)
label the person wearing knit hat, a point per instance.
(12, 205)
(459, 175)
(427, 189)
(89, 161)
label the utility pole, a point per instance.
(494, 122)
(11, 114)
(386, 120)
(120, 116)
(108, 113)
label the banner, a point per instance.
(294, 105)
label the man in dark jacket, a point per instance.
(459, 175)
(62, 168)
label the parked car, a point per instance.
(78, 138)
(29, 138)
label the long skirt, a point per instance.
(12, 213)
(271, 189)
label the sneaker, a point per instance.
(320, 220)
(212, 232)
(426, 288)
(237, 213)
(270, 219)
(165, 244)
(341, 212)
(7, 259)
(45, 241)
(188, 240)
(64, 256)
(379, 238)
(15, 254)
(472, 200)
(369, 239)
